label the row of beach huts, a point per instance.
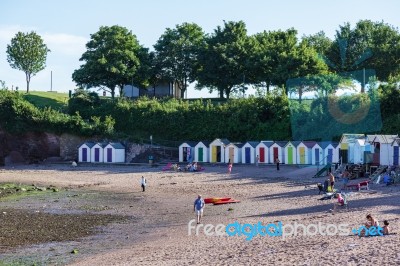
(352, 148)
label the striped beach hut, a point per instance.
(233, 152)
(249, 152)
(84, 152)
(201, 151)
(262, 150)
(97, 152)
(217, 150)
(186, 151)
(114, 152)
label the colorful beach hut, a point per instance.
(249, 152)
(262, 150)
(114, 152)
(347, 142)
(84, 152)
(277, 151)
(186, 151)
(317, 155)
(329, 152)
(395, 145)
(233, 152)
(217, 150)
(97, 152)
(291, 152)
(201, 151)
(304, 152)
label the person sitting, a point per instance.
(371, 221)
(386, 179)
(340, 202)
(385, 227)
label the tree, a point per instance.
(222, 62)
(369, 45)
(319, 41)
(27, 52)
(113, 59)
(177, 51)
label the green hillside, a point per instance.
(42, 99)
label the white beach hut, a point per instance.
(262, 151)
(217, 150)
(382, 148)
(249, 152)
(201, 151)
(395, 145)
(187, 151)
(84, 152)
(317, 155)
(304, 152)
(329, 152)
(233, 152)
(277, 151)
(347, 142)
(114, 152)
(97, 152)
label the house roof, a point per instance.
(267, 143)
(190, 143)
(252, 143)
(281, 143)
(238, 145)
(88, 143)
(225, 141)
(116, 145)
(351, 138)
(324, 144)
(309, 144)
(206, 143)
(386, 139)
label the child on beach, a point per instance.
(198, 208)
(385, 227)
(277, 163)
(230, 168)
(143, 183)
(339, 203)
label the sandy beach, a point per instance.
(156, 229)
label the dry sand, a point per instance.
(157, 234)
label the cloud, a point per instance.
(67, 44)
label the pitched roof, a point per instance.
(281, 143)
(190, 143)
(238, 145)
(252, 143)
(309, 144)
(351, 138)
(206, 143)
(386, 139)
(267, 143)
(116, 145)
(90, 144)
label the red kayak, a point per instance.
(226, 201)
(213, 200)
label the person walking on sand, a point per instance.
(257, 160)
(331, 180)
(198, 208)
(143, 183)
(277, 163)
(230, 168)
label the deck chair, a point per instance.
(167, 167)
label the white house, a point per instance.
(276, 151)
(114, 152)
(262, 151)
(304, 152)
(291, 152)
(187, 151)
(97, 152)
(84, 152)
(347, 143)
(201, 152)
(249, 152)
(330, 152)
(217, 150)
(233, 152)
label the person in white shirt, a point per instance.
(143, 183)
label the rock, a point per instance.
(75, 251)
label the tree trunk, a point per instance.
(28, 80)
(183, 90)
(268, 84)
(221, 94)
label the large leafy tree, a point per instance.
(369, 45)
(177, 52)
(113, 59)
(28, 53)
(222, 62)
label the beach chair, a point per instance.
(167, 167)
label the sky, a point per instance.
(65, 26)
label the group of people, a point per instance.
(372, 222)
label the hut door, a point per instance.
(200, 156)
(109, 155)
(330, 153)
(213, 154)
(343, 155)
(219, 154)
(302, 153)
(377, 153)
(262, 155)
(96, 154)
(184, 153)
(316, 156)
(231, 154)
(276, 154)
(247, 154)
(290, 155)
(396, 155)
(84, 155)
